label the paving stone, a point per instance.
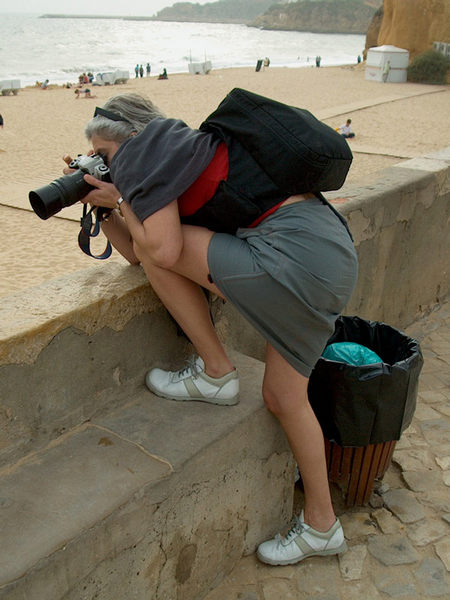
(248, 595)
(425, 413)
(376, 501)
(386, 521)
(357, 525)
(435, 430)
(432, 396)
(352, 562)
(443, 408)
(359, 590)
(427, 532)
(403, 443)
(274, 589)
(414, 459)
(392, 550)
(421, 481)
(443, 462)
(404, 505)
(395, 585)
(443, 551)
(318, 577)
(437, 499)
(226, 592)
(245, 572)
(431, 578)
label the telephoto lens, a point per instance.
(68, 189)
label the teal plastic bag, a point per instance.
(351, 354)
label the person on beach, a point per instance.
(163, 75)
(141, 71)
(346, 129)
(386, 71)
(290, 273)
(148, 69)
(136, 70)
(2, 123)
(87, 93)
(44, 84)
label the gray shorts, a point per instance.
(290, 277)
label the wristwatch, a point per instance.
(119, 202)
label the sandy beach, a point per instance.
(393, 122)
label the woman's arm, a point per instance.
(159, 238)
(116, 230)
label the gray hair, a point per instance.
(136, 109)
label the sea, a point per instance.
(34, 49)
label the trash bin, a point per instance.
(363, 410)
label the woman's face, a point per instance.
(106, 148)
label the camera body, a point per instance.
(69, 189)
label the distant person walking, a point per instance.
(1, 122)
(318, 60)
(148, 69)
(136, 70)
(141, 71)
(386, 71)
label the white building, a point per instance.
(377, 59)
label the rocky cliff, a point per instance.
(411, 24)
(324, 16)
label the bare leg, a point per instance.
(186, 302)
(285, 393)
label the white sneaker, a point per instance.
(192, 383)
(300, 542)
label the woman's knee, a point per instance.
(281, 402)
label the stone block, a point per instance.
(443, 551)
(395, 584)
(386, 521)
(429, 531)
(404, 505)
(431, 578)
(352, 562)
(176, 536)
(392, 550)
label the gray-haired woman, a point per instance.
(290, 272)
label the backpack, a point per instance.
(296, 150)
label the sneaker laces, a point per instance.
(192, 369)
(297, 529)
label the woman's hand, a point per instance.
(105, 194)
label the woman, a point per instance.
(290, 273)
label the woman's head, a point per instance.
(129, 114)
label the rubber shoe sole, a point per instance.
(340, 550)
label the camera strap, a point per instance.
(89, 230)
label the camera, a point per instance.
(69, 189)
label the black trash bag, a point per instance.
(370, 404)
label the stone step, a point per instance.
(77, 374)
(156, 499)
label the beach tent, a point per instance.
(378, 56)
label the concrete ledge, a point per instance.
(157, 500)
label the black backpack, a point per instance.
(296, 150)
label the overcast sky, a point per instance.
(89, 7)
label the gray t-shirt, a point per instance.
(156, 166)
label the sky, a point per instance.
(89, 7)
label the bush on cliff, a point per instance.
(429, 67)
